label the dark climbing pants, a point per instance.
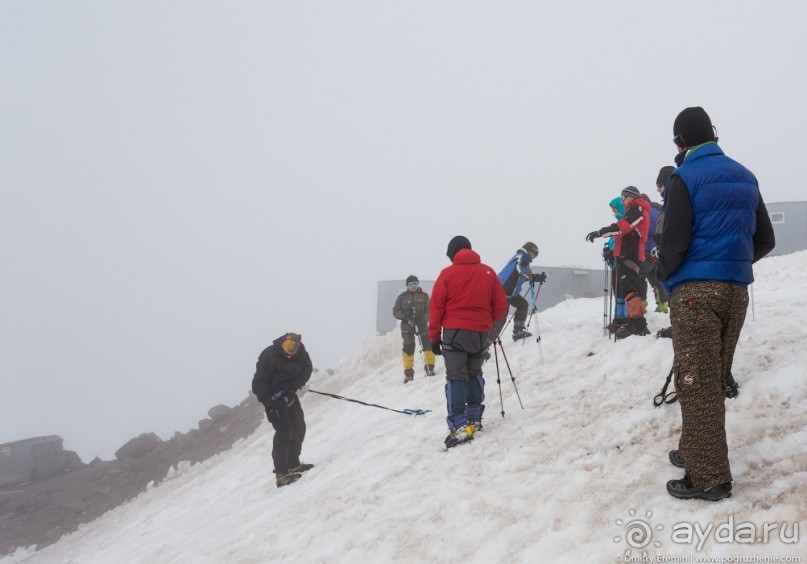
(289, 424)
(465, 392)
(707, 318)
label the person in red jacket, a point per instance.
(467, 298)
(630, 235)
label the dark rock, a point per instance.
(40, 512)
(72, 460)
(219, 411)
(139, 446)
(56, 516)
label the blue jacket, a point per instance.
(724, 197)
(655, 211)
(516, 272)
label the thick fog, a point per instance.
(183, 182)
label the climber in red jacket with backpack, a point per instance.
(630, 235)
(467, 298)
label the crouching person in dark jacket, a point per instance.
(283, 368)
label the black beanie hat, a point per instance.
(693, 127)
(664, 175)
(412, 278)
(631, 192)
(457, 243)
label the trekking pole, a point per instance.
(606, 298)
(507, 363)
(498, 378)
(534, 297)
(506, 324)
(405, 411)
(420, 340)
(532, 311)
(612, 273)
(753, 314)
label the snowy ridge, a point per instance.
(544, 484)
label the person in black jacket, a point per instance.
(283, 368)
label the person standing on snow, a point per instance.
(512, 276)
(648, 271)
(629, 253)
(618, 209)
(661, 187)
(412, 308)
(283, 368)
(467, 298)
(715, 227)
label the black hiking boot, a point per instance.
(409, 374)
(623, 332)
(287, 478)
(615, 325)
(665, 333)
(521, 334)
(429, 369)
(676, 459)
(732, 389)
(302, 467)
(683, 489)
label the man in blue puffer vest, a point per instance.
(715, 226)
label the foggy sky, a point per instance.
(184, 182)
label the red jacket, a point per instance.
(466, 295)
(630, 232)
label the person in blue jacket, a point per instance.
(648, 270)
(513, 276)
(715, 227)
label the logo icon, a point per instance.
(638, 533)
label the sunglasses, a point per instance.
(412, 285)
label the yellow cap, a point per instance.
(291, 343)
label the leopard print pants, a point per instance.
(706, 317)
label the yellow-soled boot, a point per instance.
(429, 367)
(408, 363)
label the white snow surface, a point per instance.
(571, 477)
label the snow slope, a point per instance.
(575, 476)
